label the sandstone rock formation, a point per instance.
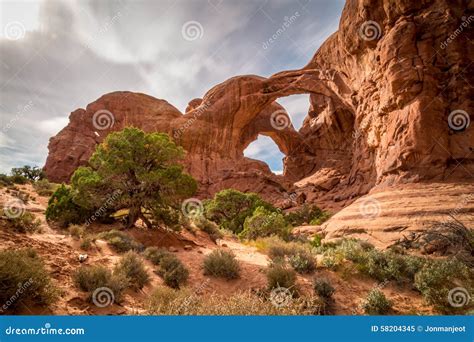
(382, 92)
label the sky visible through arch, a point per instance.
(57, 56)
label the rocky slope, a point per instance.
(391, 103)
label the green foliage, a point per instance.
(132, 267)
(86, 243)
(316, 241)
(278, 275)
(323, 288)
(120, 241)
(438, 277)
(376, 303)
(23, 279)
(27, 173)
(155, 254)
(302, 262)
(63, 210)
(90, 278)
(208, 227)
(263, 223)
(25, 223)
(172, 270)
(230, 208)
(44, 188)
(5, 180)
(141, 171)
(307, 215)
(221, 263)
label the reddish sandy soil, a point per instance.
(61, 252)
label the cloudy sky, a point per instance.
(56, 56)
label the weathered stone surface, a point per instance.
(378, 114)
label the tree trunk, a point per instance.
(133, 216)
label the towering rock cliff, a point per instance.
(391, 102)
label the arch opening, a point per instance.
(266, 150)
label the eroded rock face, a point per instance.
(381, 91)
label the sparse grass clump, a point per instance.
(26, 223)
(172, 270)
(323, 288)
(120, 241)
(302, 262)
(44, 188)
(278, 275)
(24, 279)
(132, 267)
(376, 303)
(221, 263)
(86, 243)
(166, 301)
(90, 278)
(155, 254)
(208, 227)
(76, 231)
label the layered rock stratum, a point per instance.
(390, 105)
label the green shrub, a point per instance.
(230, 208)
(220, 263)
(265, 223)
(155, 254)
(18, 179)
(86, 243)
(23, 279)
(316, 241)
(323, 288)
(76, 231)
(5, 180)
(43, 187)
(132, 267)
(208, 227)
(63, 210)
(90, 278)
(28, 173)
(25, 223)
(302, 262)
(280, 276)
(438, 277)
(376, 303)
(172, 270)
(306, 215)
(120, 241)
